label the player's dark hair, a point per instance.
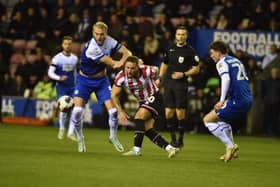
(182, 27)
(133, 59)
(219, 46)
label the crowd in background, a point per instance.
(31, 33)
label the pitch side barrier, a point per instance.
(30, 111)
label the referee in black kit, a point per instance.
(180, 61)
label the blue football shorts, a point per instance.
(233, 110)
(100, 86)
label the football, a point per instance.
(65, 103)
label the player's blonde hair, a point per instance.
(101, 25)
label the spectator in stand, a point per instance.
(270, 56)
(137, 44)
(17, 26)
(163, 25)
(20, 6)
(258, 19)
(77, 7)
(222, 23)
(151, 46)
(270, 92)
(120, 10)
(83, 32)
(115, 26)
(45, 24)
(3, 9)
(44, 89)
(32, 22)
(273, 10)
(131, 5)
(60, 20)
(105, 9)
(71, 24)
(253, 69)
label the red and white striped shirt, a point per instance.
(142, 87)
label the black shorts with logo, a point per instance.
(153, 104)
(175, 94)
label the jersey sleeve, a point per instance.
(54, 61)
(222, 68)
(114, 44)
(165, 58)
(153, 71)
(119, 79)
(196, 59)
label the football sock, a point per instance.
(155, 137)
(113, 122)
(62, 120)
(71, 129)
(219, 132)
(181, 128)
(139, 132)
(228, 130)
(76, 121)
(170, 124)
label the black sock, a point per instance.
(139, 132)
(170, 124)
(181, 128)
(155, 137)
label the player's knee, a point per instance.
(206, 119)
(169, 113)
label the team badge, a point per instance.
(181, 59)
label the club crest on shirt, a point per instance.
(220, 67)
(181, 59)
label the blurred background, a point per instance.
(31, 33)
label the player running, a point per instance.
(139, 79)
(235, 100)
(95, 57)
(63, 71)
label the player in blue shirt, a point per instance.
(235, 100)
(95, 57)
(63, 71)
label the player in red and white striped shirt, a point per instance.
(140, 80)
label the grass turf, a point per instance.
(33, 156)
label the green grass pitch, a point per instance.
(34, 157)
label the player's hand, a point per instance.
(158, 81)
(177, 75)
(63, 78)
(123, 118)
(219, 105)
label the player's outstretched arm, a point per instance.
(115, 95)
(125, 53)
